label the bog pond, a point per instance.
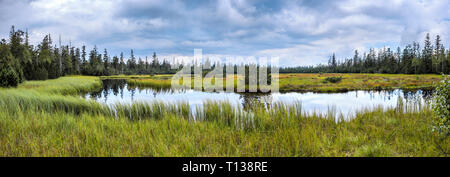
(117, 90)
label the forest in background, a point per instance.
(413, 59)
(20, 61)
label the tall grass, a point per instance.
(280, 131)
(69, 85)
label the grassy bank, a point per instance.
(46, 118)
(372, 133)
(315, 82)
(69, 85)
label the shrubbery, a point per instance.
(332, 79)
(441, 106)
(8, 77)
(8, 73)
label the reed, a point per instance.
(69, 85)
(280, 131)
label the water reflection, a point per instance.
(117, 90)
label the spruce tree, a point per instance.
(427, 53)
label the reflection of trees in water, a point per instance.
(118, 86)
(115, 86)
(409, 95)
(255, 99)
(252, 99)
(157, 90)
(417, 95)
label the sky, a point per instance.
(299, 32)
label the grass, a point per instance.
(53, 121)
(316, 82)
(154, 83)
(332, 79)
(69, 85)
(372, 133)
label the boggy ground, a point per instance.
(49, 118)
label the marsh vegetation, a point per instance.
(50, 118)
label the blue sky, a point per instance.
(302, 32)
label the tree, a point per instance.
(441, 107)
(106, 63)
(19, 51)
(436, 55)
(76, 61)
(333, 63)
(55, 70)
(355, 61)
(122, 63)
(155, 63)
(44, 59)
(84, 63)
(95, 62)
(427, 53)
(132, 62)
(115, 64)
(8, 74)
(147, 65)
(67, 60)
(92, 61)
(411, 60)
(406, 61)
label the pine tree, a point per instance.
(8, 74)
(333, 63)
(141, 66)
(355, 62)
(427, 53)
(146, 64)
(76, 61)
(67, 60)
(44, 59)
(106, 63)
(84, 63)
(92, 61)
(132, 62)
(122, 63)
(55, 71)
(19, 51)
(115, 64)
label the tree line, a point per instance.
(20, 61)
(412, 59)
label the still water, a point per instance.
(347, 103)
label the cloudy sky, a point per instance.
(302, 32)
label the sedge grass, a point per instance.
(379, 132)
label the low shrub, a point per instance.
(441, 107)
(332, 79)
(9, 78)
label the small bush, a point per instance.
(374, 150)
(332, 79)
(9, 77)
(441, 107)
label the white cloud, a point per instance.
(301, 32)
